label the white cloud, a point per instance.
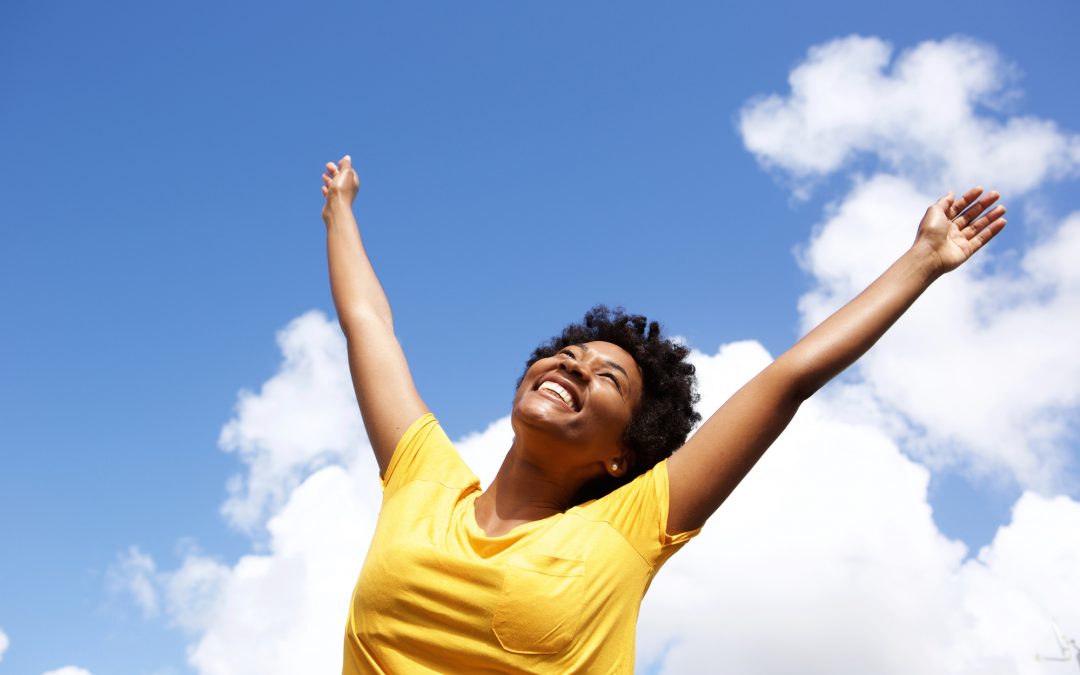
(189, 594)
(134, 573)
(934, 114)
(4, 643)
(68, 670)
(282, 435)
(292, 600)
(193, 591)
(484, 451)
(827, 560)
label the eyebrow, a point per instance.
(609, 363)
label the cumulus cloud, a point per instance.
(4, 643)
(281, 436)
(292, 600)
(188, 594)
(934, 112)
(827, 560)
(68, 670)
(193, 591)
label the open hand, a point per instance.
(953, 229)
(340, 184)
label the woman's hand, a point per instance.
(953, 229)
(340, 184)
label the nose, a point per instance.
(576, 369)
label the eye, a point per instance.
(613, 379)
(568, 353)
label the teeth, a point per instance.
(558, 389)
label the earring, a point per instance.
(614, 465)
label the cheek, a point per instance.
(521, 391)
(616, 411)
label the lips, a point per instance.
(565, 385)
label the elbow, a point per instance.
(357, 321)
(803, 392)
(799, 383)
(804, 387)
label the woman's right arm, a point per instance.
(384, 388)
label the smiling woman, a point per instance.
(545, 570)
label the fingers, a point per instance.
(979, 223)
(967, 217)
(349, 171)
(344, 166)
(959, 205)
(986, 234)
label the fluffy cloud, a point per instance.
(934, 113)
(4, 643)
(281, 436)
(189, 594)
(292, 600)
(827, 560)
(68, 670)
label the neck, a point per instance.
(524, 491)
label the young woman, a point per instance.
(545, 570)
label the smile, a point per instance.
(557, 391)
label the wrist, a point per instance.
(336, 209)
(925, 261)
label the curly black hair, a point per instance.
(666, 414)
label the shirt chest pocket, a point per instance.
(539, 608)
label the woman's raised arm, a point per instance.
(384, 387)
(705, 471)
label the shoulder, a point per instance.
(426, 453)
(639, 511)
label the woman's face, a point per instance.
(577, 403)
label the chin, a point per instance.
(538, 415)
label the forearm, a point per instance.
(849, 333)
(356, 290)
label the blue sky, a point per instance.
(519, 162)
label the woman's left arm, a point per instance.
(708, 467)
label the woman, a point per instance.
(545, 570)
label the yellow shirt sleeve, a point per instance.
(639, 512)
(425, 453)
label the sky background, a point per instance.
(173, 389)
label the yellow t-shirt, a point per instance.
(558, 595)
